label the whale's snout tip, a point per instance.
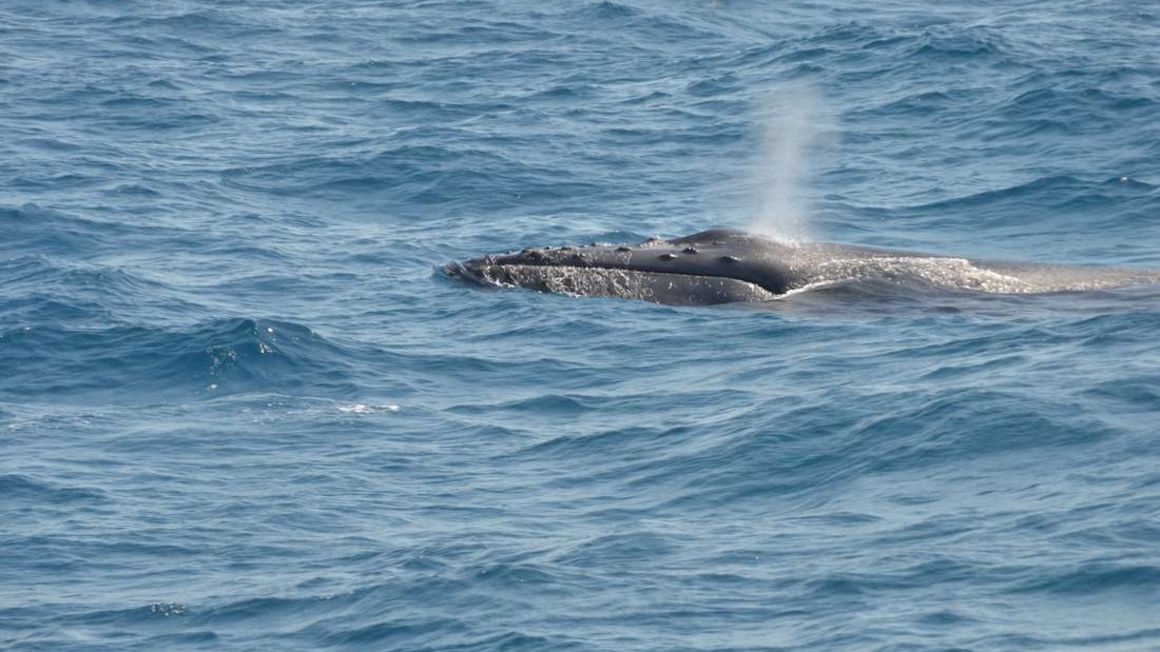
(466, 270)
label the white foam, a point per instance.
(362, 408)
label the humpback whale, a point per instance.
(721, 266)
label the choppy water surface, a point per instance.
(240, 409)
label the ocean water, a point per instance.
(241, 408)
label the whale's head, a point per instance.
(715, 266)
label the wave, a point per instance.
(1076, 205)
(40, 289)
(33, 228)
(943, 43)
(413, 176)
(22, 489)
(144, 364)
(797, 449)
(1091, 578)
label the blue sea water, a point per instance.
(242, 409)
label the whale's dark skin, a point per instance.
(720, 266)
